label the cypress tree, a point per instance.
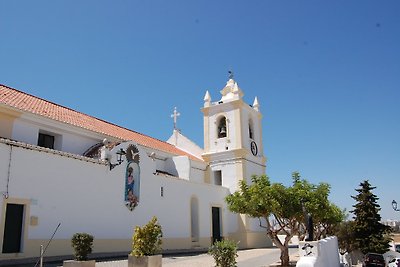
(370, 235)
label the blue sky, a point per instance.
(326, 73)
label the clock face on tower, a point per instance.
(253, 147)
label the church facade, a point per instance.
(64, 171)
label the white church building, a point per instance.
(60, 167)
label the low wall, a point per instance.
(322, 253)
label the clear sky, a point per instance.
(326, 73)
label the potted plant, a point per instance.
(82, 245)
(146, 245)
(224, 253)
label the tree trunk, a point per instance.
(284, 249)
(285, 256)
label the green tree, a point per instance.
(280, 208)
(326, 215)
(328, 218)
(370, 235)
(345, 234)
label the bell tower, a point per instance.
(233, 145)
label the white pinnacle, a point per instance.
(256, 105)
(207, 97)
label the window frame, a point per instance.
(46, 140)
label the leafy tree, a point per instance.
(280, 207)
(328, 218)
(325, 215)
(345, 234)
(370, 235)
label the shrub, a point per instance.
(224, 253)
(82, 244)
(147, 239)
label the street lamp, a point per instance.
(119, 153)
(394, 205)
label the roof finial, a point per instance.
(207, 97)
(230, 74)
(175, 115)
(256, 105)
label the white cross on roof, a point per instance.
(175, 115)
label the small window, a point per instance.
(251, 132)
(46, 140)
(218, 177)
(222, 128)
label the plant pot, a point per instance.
(145, 261)
(74, 263)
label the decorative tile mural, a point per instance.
(132, 178)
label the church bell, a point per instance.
(223, 131)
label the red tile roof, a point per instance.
(28, 103)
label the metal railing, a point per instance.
(43, 251)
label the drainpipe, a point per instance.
(5, 194)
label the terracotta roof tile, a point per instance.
(28, 103)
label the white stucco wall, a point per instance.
(159, 164)
(229, 175)
(28, 132)
(198, 170)
(4, 162)
(231, 141)
(179, 166)
(182, 142)
(73, 143)
(25, 132)
(88, 197)
(248, 113)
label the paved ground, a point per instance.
(246, 258)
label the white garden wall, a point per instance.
(322, 253)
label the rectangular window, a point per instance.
(218, 177)
(46, 140)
